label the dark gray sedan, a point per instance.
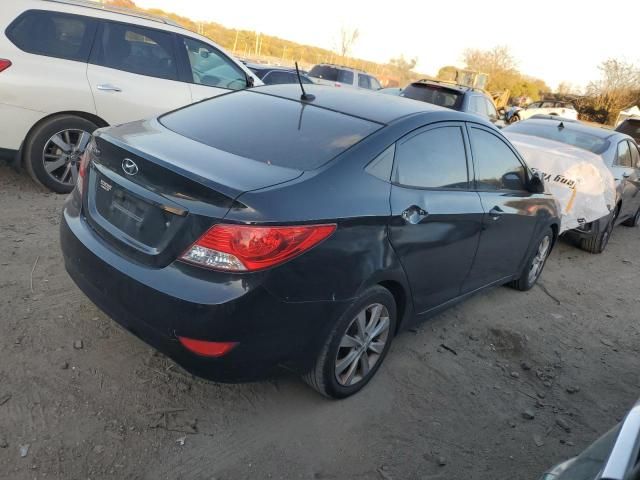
(619, 152)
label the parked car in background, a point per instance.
(339, 76)
(619, 152)
(454, 96)
(302, 233)
(275, 75)
(396, 91)
(614, 456)
(68, 67)
(547, 107)
(631, 127)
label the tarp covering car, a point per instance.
(579, 179)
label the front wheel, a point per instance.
(535, 263)
(356, 347)
(633, 221)
(598, 243)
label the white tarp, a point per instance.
(628, 113)
(579, 179)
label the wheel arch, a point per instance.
(85, 115)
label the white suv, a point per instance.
(338, 76)
(549, 107)
(68, 67)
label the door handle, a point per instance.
(414, 214)
(107, 87)
(496, 212)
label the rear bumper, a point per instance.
(157, 305)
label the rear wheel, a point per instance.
(357, 345)
(535, 263)
(598, 243)
(633, 221)
(53, 151)
(514, 119)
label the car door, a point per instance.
(510, 211)
(133, 73)
(207, 70)
(436, 218)
(625, 171)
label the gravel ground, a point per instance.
(500, 387)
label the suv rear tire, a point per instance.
(53, 150)
(356, 338)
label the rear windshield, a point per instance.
(550, 130)
(270, 129)
(631, 128)
(434, 94)
(332, 74)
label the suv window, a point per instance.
(435, 94)
(476, 105)
(363, 81)
(375, 84)
(624, 155)
(534, 105)
(143, 51)
(630, 127)
(332, 74)
(491, 109)
(547, 105)
(277, 77)
(53, 34)
(497, 167)
(635, 155)
(434, 158)
(209, 67)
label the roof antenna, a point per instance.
(307, 97)
(561, 125)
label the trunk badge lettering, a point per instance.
(105, 186)
(129, 166)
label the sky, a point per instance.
(556, 40)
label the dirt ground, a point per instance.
(82, 399)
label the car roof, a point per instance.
(358, 103)
(578, 127)
(449, 85)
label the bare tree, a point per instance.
(617, 88)
(496, 60)
(403, 67)
(348, 37)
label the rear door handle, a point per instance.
(414, 214)
(107, 87)
(496, 212)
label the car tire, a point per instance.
(535, 263)
(597, 243)
(514, 119)
(343, 366)
(633, 221)
(59, 140)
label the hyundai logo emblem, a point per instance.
(129, 166)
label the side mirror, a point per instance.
(535, 183)
(250, 81)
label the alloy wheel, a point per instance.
(362, 345)
(62, 152)
(538, 260)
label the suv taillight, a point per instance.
(4, 64)
(243, 248)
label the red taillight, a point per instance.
(4, 64)
(245, 248)
(207, 349)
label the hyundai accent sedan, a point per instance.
(265, 229)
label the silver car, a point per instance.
(614, 456)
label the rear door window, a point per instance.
(270, 129)
(635, 155)
(345, 76)
(143, 51)
(363, 81)
(624, 155)
(207, 66)
(53, 34)
(434, 158)
(497, 167)
(375, 84)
